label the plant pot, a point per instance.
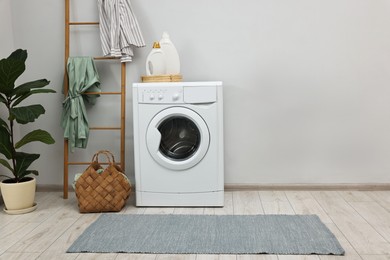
(19, 197)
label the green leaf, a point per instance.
(3, 99)
(35, 91)
(36, 135)
(35, 172)
(3, 124)
(26, 87)
(19, 54)
(24, 115)
(10, 69)
(23, 161)
(5, 143)
(6, 164)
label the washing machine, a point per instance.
(178, 144)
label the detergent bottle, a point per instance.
(155, 62)
(171, 55)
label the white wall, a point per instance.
(306, 82)
(7, 39)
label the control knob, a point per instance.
(175, 96)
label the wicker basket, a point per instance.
(162, 78)
(102, 192)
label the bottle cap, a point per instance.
(156, 45)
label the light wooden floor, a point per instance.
(360, 220)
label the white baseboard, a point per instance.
(278, 186)
(310, 186)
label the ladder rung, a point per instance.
(101, 93)
(104, 128)
(83, 23)
(87, 163)
(106, 58)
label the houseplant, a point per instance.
(13, 188)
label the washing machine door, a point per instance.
(177, 138)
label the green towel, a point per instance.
(83, 77)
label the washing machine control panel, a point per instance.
(172, 94)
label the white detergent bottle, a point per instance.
(171, 55)
(155, 62)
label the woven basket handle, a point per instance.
(95, 157)
(108, 153)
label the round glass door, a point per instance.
(177, 138)
(180, 138)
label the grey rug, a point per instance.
(208, 234)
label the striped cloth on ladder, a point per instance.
(119, 29)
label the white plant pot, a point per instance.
(19, 197)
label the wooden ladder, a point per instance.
(122, 93)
